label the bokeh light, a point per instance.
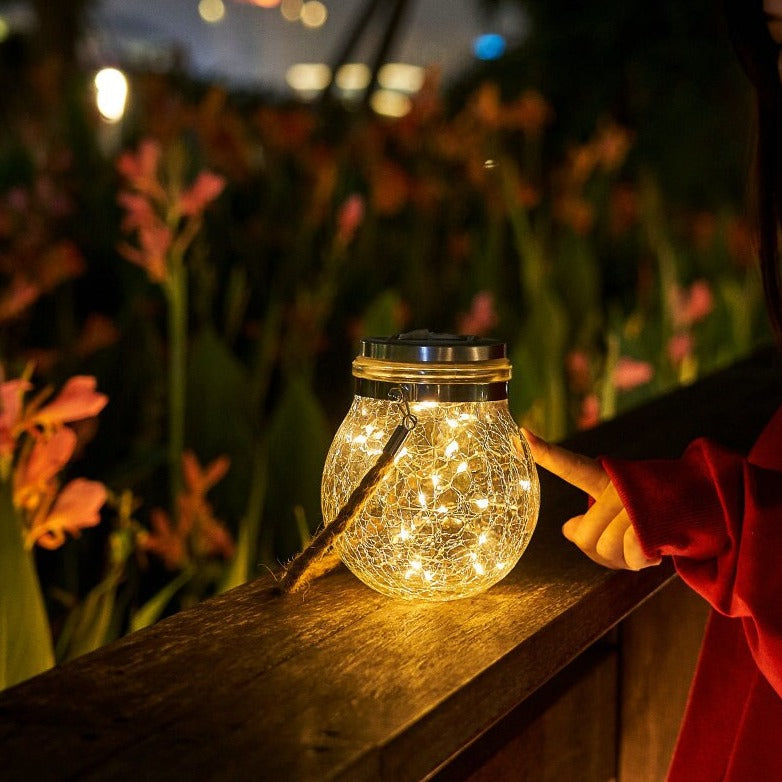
(308, 79)
(389, 103)
(313, 14)
(489, 47)
(291, 10)
(353, 77)
(401, 76)
(112, 93)
(211, 11)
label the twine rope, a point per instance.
(319, 557)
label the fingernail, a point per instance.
(532, 438)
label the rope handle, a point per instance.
(314, 560)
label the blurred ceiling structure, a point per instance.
(254, 44)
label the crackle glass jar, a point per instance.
(459, 505)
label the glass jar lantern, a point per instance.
(459, 505)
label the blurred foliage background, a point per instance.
(582, 198)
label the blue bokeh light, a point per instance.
(489, 47)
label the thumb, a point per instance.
(580, 471)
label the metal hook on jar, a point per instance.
(401, 396)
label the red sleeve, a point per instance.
(720, 517)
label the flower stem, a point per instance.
(176, 293)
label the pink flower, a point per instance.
(350, 216)
(208, 536)
(98, 332)
(700, 302)
(138, 211)
(45, 459)
(78, 399)
(613, 142)
(164, 541)
(77, 506)
(679, 347)
(205, 189)
(155, 240)
(481, 318)
(200, 479)
(11, 400)
(390, 188)
(154, 236)
(577, 364)
(689, 307)
(197, 530)
(590, 412)
(19, 295)
(630, 373)
(741, 244)
(153, 212)
(61, 262)
(531, 112)
(141, 169)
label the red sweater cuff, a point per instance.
(681, 507)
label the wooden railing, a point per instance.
(527, 681)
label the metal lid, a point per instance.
(429, 347)
(437, 367)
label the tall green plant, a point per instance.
(35, 508)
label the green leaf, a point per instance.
(298, 438)
(25, 640)
(527, 382)
(305, 536)
(88, 625)
(607, 387)
(220, 418)
(242, 566)
(93, 623)
(383, 315)
(151, 611)
(578, 274)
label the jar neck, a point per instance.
(485, 381)
(430, 392)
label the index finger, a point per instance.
(580, 471)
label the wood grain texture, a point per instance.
(340, 682)
(660, 643)
(566, 730)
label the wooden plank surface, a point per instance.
(343, 683)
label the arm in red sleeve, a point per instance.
(720, 517)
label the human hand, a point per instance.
(604, 533)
